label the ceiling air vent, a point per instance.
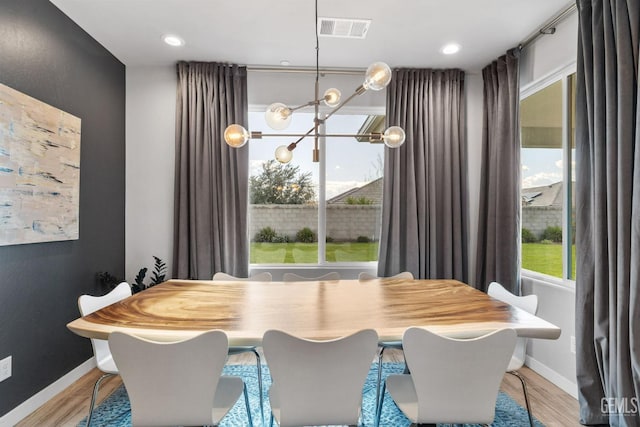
(344, 28)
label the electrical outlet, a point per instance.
(5, 368)
(573, 345)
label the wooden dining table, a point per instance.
(179, 309)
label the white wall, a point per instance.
(474, 87)
(551, 52)
(297, 88)
(150, 153)
(552, 359)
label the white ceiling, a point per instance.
(407, 33)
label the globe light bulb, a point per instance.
(283, 155)
(377, 77)
(236, 136)
(278, 116)
(394, 137)
(332, 97)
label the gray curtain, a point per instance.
(211, 185)
(497, 256)
(608, 212)
(424, 210)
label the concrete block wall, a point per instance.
(344, 222)
(538, 218)
(348, 222)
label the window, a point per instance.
(547, 113)
(316, 213)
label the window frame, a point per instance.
(321, 263)
(562, 74)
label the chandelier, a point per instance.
(278, 115)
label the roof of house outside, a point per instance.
(371, 191)
(545, 195)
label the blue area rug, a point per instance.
(115, 410)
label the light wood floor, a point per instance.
(550, 405)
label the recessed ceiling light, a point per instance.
(450, 49)
(285, 63)
(173, 40)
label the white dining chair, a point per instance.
(265, 276)
(329, 277)
(451, 380)
(318, 382)
(87, 304)
(363, 277)
(384, 345)
(239, 349)
(528, 303)
(177, 383)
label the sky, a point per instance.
(349, 163)
(352, 164)
(542, 166)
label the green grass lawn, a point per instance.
(307, 253)
(545, 258)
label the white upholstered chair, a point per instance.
(87, 304)
(177, 383)
(238, 349)
(451, 380)
(318, 382)
(292, 277)
(528, 303)
(365, 277)
(265, 276)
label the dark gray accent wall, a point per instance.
(47, 56)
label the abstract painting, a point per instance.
(39, 171)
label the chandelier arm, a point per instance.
(294, 144)
(335, 110)
(376, 136)
(308, 104)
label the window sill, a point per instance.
(565, 284)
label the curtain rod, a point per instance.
(550, 26)
(304, 70)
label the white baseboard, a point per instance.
(43, 396)
(564, 383)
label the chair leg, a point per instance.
(246, 402)
(379, 406)
(382, 348)
(259, 370)
(94, 396)
(526, 395)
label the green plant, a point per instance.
(363, 239)
(528, 236)
(358, 201)
(552, 233)
(546, 242)
(281, 238)
(265, 235)
(158, 276)
(109, 281)
(305, 235)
